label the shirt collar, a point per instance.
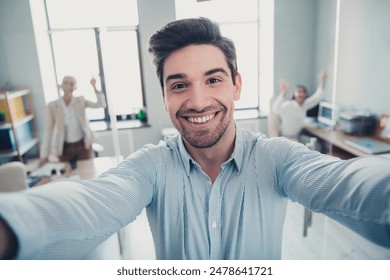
(185, 156)
(70, 103)
(236, 157)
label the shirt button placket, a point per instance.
(214, 228)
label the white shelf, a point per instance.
(14, 93)
(21, 143)
(17, 123)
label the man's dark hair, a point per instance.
(194, 31)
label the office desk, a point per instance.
(91, 168)
(86, 169)
(335, 139)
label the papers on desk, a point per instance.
(313, 122)
(49, 169)
(369, 145)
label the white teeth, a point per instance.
(201, 119)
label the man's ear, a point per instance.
(238, 86)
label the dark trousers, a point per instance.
(76, 151)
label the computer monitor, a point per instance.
(327, 113)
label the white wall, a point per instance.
(364, 55)
(19, 65)
(325, 42)
(295, 44)
(304, 42)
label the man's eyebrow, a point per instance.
(175, 76)
(207, 73)
(216, 70)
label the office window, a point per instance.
(238, 21)
(99, 39)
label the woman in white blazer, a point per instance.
(68, 135)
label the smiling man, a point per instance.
(200, 101)
(215, 191)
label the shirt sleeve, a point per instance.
(68, 219)
(354, 192)
(100, 102)
(314, 99)
(277, 104)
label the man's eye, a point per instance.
(213, 80)
(178, 86)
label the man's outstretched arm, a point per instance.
(8, 242)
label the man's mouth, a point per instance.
(202, 119)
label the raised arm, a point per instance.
(315, 98)
(100, 100)
(278, 102)
(67, 219)
(354, 192)
(323, 78)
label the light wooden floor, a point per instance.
(326, 239)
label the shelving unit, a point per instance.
(18, 134)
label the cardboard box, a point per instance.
(16, 104)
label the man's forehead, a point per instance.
(195, 58)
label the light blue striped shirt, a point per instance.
(239, 216)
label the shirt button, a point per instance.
(214, 225)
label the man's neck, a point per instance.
(211, 159)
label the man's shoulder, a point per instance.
(249, 136)
(155, 152)
(260, 139)
(252, 140)
(166, 144)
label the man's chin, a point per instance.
(200, 145)
(202, 139)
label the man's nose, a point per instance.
(198, 98)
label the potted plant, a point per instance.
(2, 117)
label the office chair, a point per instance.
(13, 177)
(97, 149)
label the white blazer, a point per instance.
(54, 136)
